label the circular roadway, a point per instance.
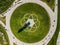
(52, 16)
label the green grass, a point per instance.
(5, 4)
(30, 37)
(5, 35)
(59, 14)
(14, 44)
(51, 3)
(3, 19)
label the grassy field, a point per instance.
(5, 4)
(30, 37)
(2, 30)
(50, 3)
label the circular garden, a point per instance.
(30, 11)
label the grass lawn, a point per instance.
(50, 3)
(25, 35)
(5, 4)
(14, 44)
(2, 30)
(59, 14)
(3, 19)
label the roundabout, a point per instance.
(42, 18)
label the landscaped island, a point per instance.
(39, 17)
